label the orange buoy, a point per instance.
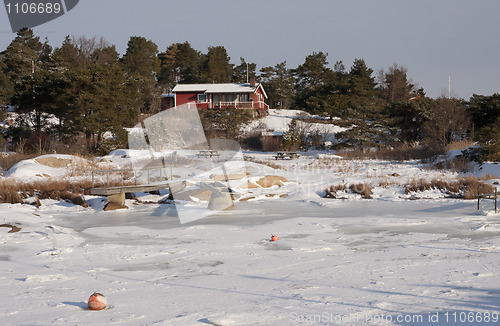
(274, 237)
(97, 301)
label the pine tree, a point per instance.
(180, 64)
(279, 83)
(409, 118)
(168, 71)
(490, 140)
(27, 63)
(70, 79)
(217, 68)
(108, 102)
(6, 85)
(331, 98)
(394, 85)
(67, 56)
(141, 65)
(370, 125)
(310, 77)
(31, 99)
(24, 54)
(485, 111)
(244, 70)
(405, 117)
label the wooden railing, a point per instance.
(237, 105)
(493, 196)
(109, 178)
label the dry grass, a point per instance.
(466, 188)
(401, 153)
(363, 189)
(474, 186)
(335, 165)
(271, 164)
(17, 192)
(459, 145)
(331, 192)
(8, 161)
(79, 166)
(457, 164)
(386, 183)
(489, 177)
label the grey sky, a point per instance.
(434, 39)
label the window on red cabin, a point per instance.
(230, 98)
(202, 98)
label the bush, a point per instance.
(253, 141)
(331, 192)
(271, 143)
(218, 123)
(363, 189)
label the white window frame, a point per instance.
(204, 96)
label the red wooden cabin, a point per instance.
(222, 96)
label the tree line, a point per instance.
(78, 94)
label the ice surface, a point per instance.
(342, 258)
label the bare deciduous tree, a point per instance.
(449, 122)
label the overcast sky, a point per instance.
(433, 39)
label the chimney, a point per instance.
(252, 81)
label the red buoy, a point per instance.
(274, 237)
(97, 301)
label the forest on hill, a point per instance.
(67, 98)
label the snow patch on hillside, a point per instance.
(278, 121)
(55, 166)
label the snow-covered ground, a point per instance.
(278, 121)
(381, 261)
(388, 260)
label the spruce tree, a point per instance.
(362, 92)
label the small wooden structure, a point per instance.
(156, 180)
(493, 196)
(283, 155)
(116, 195)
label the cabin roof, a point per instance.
(217, 88)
